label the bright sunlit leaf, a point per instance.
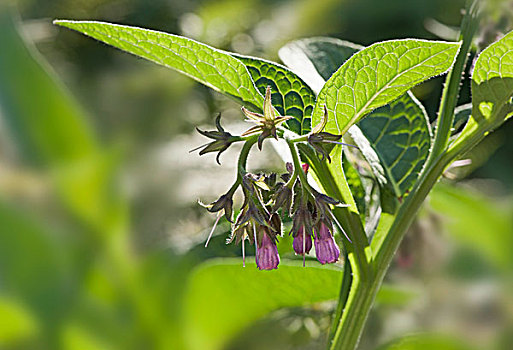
(378, 75)
(214, 68)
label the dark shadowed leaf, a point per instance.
(400, 135)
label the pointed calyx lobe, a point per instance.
(222, 140)
(265, 123)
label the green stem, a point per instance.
(243, 157)
(299, 139)
(358, 271)
(241, 164)
(347, 280)
(363, 291)
(354, 316)
(297, 167)
(450, 93)
(332, 179)
(295, 161)
(364, 288)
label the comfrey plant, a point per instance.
(371, 194)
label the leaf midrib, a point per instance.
(125, 29)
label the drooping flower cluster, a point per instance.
(269, 198)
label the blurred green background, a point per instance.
(101, 237)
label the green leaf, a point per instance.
(397, 137)
(48, 125)
(378, 75)
(223, 297)
(400, 135)
(492, 80)
(51, 128)
(488, 233)
(17, 324)
(316, 59)
(426, 342)
(492, 88)
(214, 68)
(290, 94)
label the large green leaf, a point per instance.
(492, 81)
(223, 297)
(378, 75)
(214, 68)
(492, 88)
(316, 59)
(400, 135)
(396, 137)
(290, 94)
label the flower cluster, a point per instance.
(271, 198)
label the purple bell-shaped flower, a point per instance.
(302, 242)
(326, 250)
(267, 257)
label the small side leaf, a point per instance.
(492, 88)
(211, 67)
(378, 75)
(461, 116)
(355, 184)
